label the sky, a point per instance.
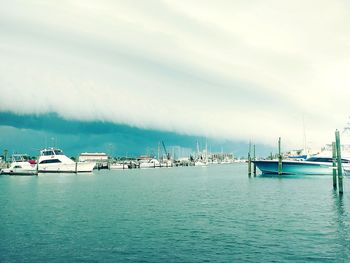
(230, 71)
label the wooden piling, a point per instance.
(340, 171)
(334, 156)
(37, 164)
(279, 157)
(254, 157)
(249, 162)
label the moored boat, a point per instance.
(53, 160)
(118, 166)
(201, 162)
(21, 165)
(320, 164)
(152, 163)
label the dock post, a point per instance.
(76, 167)
(334, 156)
(254, 165)
(249, 161)
(5, 158)
(340, 171)
(279, 157)
(37, 165)
(5, 155)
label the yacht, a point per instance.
(21, 165)
(53, 160)
(319, 164)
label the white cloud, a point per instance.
(230, 69)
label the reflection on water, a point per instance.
(342, 223)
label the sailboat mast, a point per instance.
(304, 135)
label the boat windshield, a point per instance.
(20, 158)
(46, 153)
(51, 152)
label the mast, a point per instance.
(304, 135)
(197, 149)
(206, 149)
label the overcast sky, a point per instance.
(235, 70)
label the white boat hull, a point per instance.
(79, 167)
(198, 163)
(149, 165)
(19, 171)
(118, 166)
(295, 167)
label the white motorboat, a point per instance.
(21, 165)
(153, 163)
(320, 164)
(202, 163)
(53, 160)
(118, 166)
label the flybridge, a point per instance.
(51, 151)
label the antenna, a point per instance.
(304, 134)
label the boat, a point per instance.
(201, 162)
(152, 163)
(118, 166)
(319, 164)
(166, 163)
(53, 160)
(202, 158)
(21, 165)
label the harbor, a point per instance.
(203, 208)
(174, 131)
(53, 160)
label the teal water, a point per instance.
(185, 214)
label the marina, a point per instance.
(53, 160)
(174, 131)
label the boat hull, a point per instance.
(294, 167)
(199, 163)
(80, 167)
(19, 171)
(148, 165)
(118, 166)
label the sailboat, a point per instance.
(201, 160)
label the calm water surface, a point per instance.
(185, 214)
